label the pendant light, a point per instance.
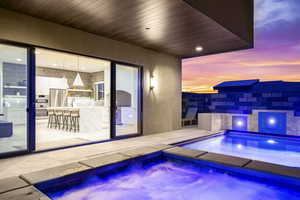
(78, 81)
(65, 80)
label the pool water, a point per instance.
(278, 150)
(170, 180)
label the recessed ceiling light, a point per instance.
(199, 48)
(54, 64)
(19, 59)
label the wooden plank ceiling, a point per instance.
(171, 26)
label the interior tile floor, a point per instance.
(38, 161)
(47, 138)
(17, 142)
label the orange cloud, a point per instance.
(265, 64)
(199, 89)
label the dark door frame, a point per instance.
(30, 98)
(31, 112)
(31, 76)
(113, 100)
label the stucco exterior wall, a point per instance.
(161, 107)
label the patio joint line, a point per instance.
(15, 189)
(244, 165)
(24, 179)
(202, 154)
(84, 164)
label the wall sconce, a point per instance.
(153, 82)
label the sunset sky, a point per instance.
(276, 55)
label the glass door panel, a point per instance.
(72, 99)
(127, 100)
(13, 98)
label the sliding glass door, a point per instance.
(13, 98)
(51, 99)
(127, 100)
(72, 99)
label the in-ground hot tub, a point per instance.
(165, 177)
(283, 150)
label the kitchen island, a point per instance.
(92, 119)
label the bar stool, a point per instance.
(59, 118)
(75, 120)
(51, 118)
(66, 121)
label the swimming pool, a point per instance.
(273, 149)
(166, 178)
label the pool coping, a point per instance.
(284, 137)
(23, 186)
(249, 164)
(297, 137)
(215, 159)
(252, 163)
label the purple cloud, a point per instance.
(277, 41)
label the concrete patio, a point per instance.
(29, 163)
(22, 182)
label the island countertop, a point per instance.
(91, 118)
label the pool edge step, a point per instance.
(282, 170)
(224, 159)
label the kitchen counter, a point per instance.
(92, 119)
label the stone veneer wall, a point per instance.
(216, 110)
(243, 103)
(193, 100)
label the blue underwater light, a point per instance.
(272, 122)
(239, 123)
(270, 141)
